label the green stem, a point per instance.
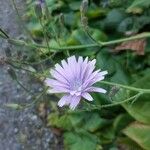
(126, 87)
(45, 34)
(21, 85)
(139, 36)
(3, 34)
(20, 19)
(36, 99)
(121, 102)
(95, 107)
(19, 66)
(34, 45)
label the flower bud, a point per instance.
(113, 91)
(84, 21)
(84, 6)
(38, 10)
(83, 10)
(61, 18)
(13, 106)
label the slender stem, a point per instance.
(135, 37)
(126, 87)
(20, 19)
(19, 83)
(34, 45)
(121, 102)
(95, 107)
(99, 43)
(45, 34)
(35, 74)
(36, 99)
(3, 34)
(60, 49)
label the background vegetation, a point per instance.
(58, 29)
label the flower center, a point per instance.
(76, 85)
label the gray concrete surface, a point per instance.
(19, 130)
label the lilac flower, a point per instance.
(75, 78)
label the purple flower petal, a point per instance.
(54, 83)
(102, 73)
(61, 71)
(65, 100)
(58, 90)
(96, 89)
(87, 96)
(75, 78)
(74, 102)
(91, 67)
(58, 76)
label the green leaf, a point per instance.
(104, 59)
(121, 121)
(59, 121)
(139, 133)
(76, 119)
(140, 109)
(125, 25)
(113, 19)
(74, 5)
(120, 76)
(71, 19)
(128, 144)
(35, 29)
(107, 134)
(138, 5)
(80, 141)
(94, 122)
(96, 13)
(79, 37)
(13, 106)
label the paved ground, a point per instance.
(19, 130)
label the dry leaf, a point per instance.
(56, 131)
(42, 110)
(2, 60)
(136, 45)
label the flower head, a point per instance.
(75, 78)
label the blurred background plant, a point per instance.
(57, 29)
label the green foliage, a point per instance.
(140, 108)
(139, 133)
(128, 144)
(138, 6)
(90, 127)
(81, 140)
